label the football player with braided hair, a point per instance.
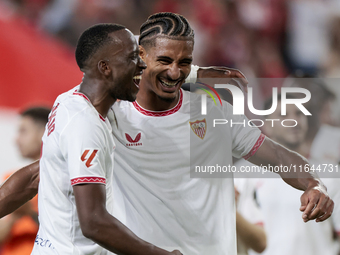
(159, 201)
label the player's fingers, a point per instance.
(240, 78)
(236, 74)
(224, 72)
(176, 252)
(303, 207)
(221, 68)
(320, 208)
(312, 203)
(330, 207)
(304, 202)
(232, 70)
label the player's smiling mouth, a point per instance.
(136, 80)
(169, 84)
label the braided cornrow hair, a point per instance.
(165, 24)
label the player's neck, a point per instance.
(101, 100)
(152, 102)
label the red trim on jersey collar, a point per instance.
(160, 113)
(101, 117)
(84, 96)
(257, 145)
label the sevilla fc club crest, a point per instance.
(199, 127)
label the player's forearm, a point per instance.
(274, 154)
(111, 234)
(19, 188)
(315, 202)
(253, 236)
(298, 179)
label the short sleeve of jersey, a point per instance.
(82, 144)
(246, 139)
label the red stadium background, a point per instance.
(34, 68)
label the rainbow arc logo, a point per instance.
(204, 97)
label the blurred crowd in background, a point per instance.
(262, 38)
(265, 38)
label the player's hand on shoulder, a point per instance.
(236, 77)
(176, 252)
(316, 203)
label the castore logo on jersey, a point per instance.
(133, 142)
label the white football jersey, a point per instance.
(162, 203)
(78, 148)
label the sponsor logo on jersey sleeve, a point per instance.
(199, 127)
(88, 156)
(135, 141)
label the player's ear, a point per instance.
(142, 52)
(104, 68)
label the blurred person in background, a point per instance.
(323, 137)
(249, 219)
(18, 230)
(31, 129)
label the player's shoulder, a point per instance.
(64, 96)
(75, 107)
(121, 104)
(122, 109)
(76, 104)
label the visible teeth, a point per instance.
(169, 84)
(137, 79)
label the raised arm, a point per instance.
(315, 202)
(101, 227)
(19, 188)
(236, 77)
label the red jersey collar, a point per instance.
(160, 113)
